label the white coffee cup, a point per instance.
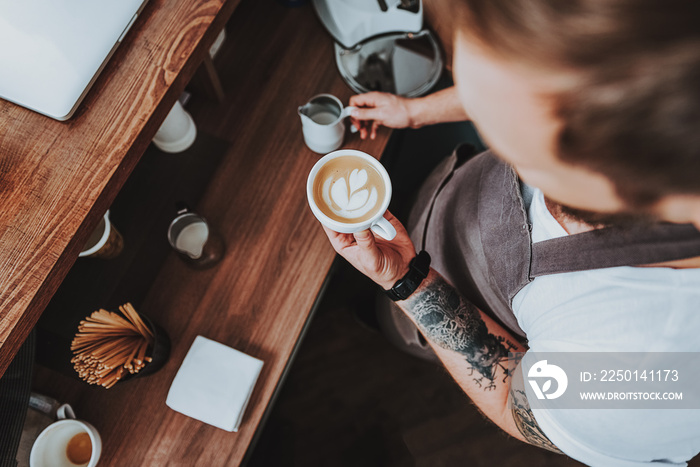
(377, 223)
(50, 448)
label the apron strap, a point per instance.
(461, 154)
(612, 247)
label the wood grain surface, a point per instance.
(58, 178)
(258, 298)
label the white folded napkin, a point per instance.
(214, 384)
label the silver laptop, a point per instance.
(51, 51)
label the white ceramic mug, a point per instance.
(50, 448)
(377, 223)
(322, 122)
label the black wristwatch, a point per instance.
(418, 270)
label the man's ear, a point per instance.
(680, 209)
(696, 215)
(692, 207)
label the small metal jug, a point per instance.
(190, 235)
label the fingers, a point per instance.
(367, 128)
(339, 241)
(391, 218)
(368, 113)
(365, 240)
(371, 112)
(375, 126)
(362, 126)
(368, 99)
(400, 229)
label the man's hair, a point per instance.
(634, 114)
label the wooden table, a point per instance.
(259, 297)
(58, 178)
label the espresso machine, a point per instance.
(381, 45)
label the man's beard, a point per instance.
(600, 220)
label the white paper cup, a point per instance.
(105, 242)
(50, 448)
(377, 223)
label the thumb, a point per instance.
(368, 99)
(365, 240)
(370, 113)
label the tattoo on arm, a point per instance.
(451, 322)
(526, 423)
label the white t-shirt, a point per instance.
(621, 309)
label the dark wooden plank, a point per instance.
(142, 212)
(206, 81)
(259, 297)
(57, 178)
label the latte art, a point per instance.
(349, 189)
(350, 197)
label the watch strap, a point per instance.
(418, 269)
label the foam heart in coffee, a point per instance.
(349, 189)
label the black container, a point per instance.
(159, 351)
(53, 349)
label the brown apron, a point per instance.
(471, 218)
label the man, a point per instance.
(596, 106)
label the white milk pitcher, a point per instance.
(322, 123)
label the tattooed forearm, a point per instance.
(526, 423)
(451, 322)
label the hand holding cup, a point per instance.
(349, 193)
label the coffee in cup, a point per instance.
(66, 443)
(105, 242)
(349, 191)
